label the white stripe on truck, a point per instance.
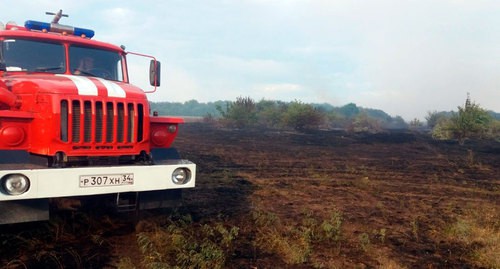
(114, 90)
(86, 86)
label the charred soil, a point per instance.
(287, 199)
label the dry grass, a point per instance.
(286, 200)
(180, 243)
(480, 231)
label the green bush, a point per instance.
(441, 129)
(434, 117)
(301, 116)
(240, 113)
(471, 121)
(270, 113)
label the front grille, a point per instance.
(104, 124)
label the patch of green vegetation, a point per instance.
(295, 243)
(181, 243)
(364, 241)
(479, 231)
(471, 121)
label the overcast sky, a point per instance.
(406, 57)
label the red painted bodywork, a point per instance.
(30, 109)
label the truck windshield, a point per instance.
(94, 62)
(32, 56)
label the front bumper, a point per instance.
(65, 182)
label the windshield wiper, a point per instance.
(45, 69)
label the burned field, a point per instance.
(285, 199)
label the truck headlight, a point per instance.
(181, 176)
(15, 184)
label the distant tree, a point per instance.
(335, 119)
(270, 113)
(434, 117)
(364, 123)
(471, 121)
(395, 123)
(188, 108)
(325, 107)
(495, 115)
(416, 124)
(350, 110)
(377, 114)
(301, 116)
(240, 113)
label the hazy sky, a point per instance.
(406, 57)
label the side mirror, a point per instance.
(154, 73)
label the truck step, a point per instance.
(127, 201)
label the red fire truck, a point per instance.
(72, 127)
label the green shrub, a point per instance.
(301, 116)
(471, 121)
(332, 228)
(270, 113)
(433, 118)
(442, 129)
(240, 113)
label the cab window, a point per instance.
(86, 61)
(32, 56)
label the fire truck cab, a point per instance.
(72, 126)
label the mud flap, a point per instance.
(24, 211)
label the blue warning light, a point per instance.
(58, 28)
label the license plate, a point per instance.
(106, 180)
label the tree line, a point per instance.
(245, 112)
(470, 121)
